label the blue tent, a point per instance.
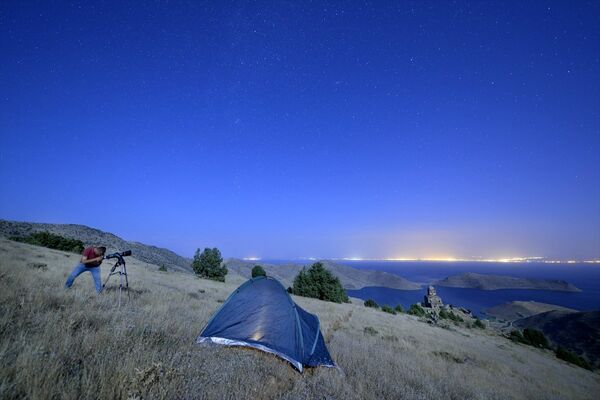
(261, 314)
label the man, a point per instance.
(90, 261)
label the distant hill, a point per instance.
(351, 278)
(494, 282)
(515, 310)
(578, 332)
(90, 236)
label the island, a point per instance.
(494, 282)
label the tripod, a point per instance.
(122, 272)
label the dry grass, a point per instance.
(74, 344)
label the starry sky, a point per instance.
(291, 129)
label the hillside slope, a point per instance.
(578, 332)
(494, 282)
(96, 237)
(350, 278)
(515, 310)
(73, 344)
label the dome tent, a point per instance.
(262, 315)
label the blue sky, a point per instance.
(307, 129)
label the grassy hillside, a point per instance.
(74, 344)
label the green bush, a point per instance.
(388, 309)
(371, 303)
(319, 283)
(52, 241)
(417, 310)
(531, 337)
(163, 268)
(208, 264)
(535, 338)
(478, 324)
(258, 271)
(572, 358)
(517, 336)
(399, 309)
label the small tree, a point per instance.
(258, 271)
(388, 309)
(371, 303)
(320, 283)
(535, 338)
(208, 264)
(417, 310)
(479, 324)
(399, 309)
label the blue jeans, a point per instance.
(80, 269)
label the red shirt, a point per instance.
(89, 253)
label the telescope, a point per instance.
(118, 255)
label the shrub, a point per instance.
(399, 309)
(208, 265)
(371, 303)
(258, 271)
(517, 336)
(478, 324)
(417, 310)
(52, 241)
(535, 338)
(388, 309)
(369, 330)
(531, 337)
(319, 283)
(163, 268)
(572, 358)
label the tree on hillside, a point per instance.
(320, 283)
(208, 264)
(258, 271)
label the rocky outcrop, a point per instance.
(432, 300)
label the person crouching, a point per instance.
(90, 261)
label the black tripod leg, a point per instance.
(109, 274)
(127, 283)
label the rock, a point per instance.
(432, 300)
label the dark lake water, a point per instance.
(584, 276)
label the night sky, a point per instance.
(307, 129)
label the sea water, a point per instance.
(585, 276)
